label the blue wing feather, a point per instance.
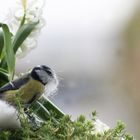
(16, 84)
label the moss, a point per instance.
(65, 129)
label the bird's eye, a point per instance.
(49, 72)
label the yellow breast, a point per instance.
(26, 92)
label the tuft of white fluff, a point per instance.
(8, 116)
(51, 87)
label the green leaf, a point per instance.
(44, 109)
(3, 77)
(40, 111)
(1, 42)
(3, 71)
(9, 53)
(22, 33)
(51, 107)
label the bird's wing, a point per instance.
(16, 84)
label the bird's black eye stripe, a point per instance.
(49, 73)
(48, 70)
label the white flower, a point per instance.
(33, 11)
(29, 44)
(11, 21)
(100, 127)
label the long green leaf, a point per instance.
(1, 42)
(40, 111)
(3, 71)
(10, 57)
(46, 110)
(3, 77)
(22, 33)
(51, 107)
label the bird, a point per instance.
(29, 88)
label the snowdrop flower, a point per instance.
(33, 13)
(100, 127)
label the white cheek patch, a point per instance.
(8, 116)
(42, 75)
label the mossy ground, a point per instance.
(65, 129)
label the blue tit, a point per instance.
(30, 86)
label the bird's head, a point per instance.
(43, 74)
(47, 77)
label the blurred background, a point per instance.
(94, 47)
